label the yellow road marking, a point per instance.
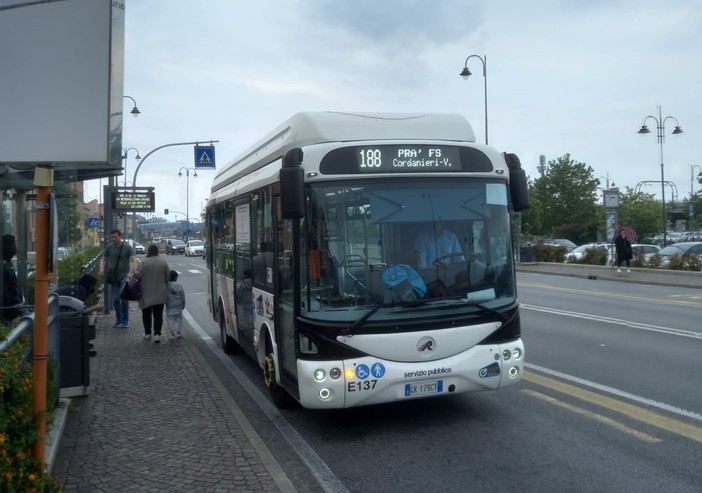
(667, 301)
(632, 411)
(597, 417)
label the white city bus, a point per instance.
(327, 251)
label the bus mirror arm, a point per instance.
(292, 185)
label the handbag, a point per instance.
(131, 291)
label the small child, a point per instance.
(175, 306)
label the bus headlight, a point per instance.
(335, 373)
(513, 372)
(319, 375)
(324, 394)
(506, 354)
(517, 353)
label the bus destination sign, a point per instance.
(133, 200)
(404, 158)
(408, 158)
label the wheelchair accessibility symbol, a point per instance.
(362, 371)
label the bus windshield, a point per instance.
(405, 244)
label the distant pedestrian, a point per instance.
(624, 251)
(117, 265)
(153, 275)
(12, 299)
(174, 307)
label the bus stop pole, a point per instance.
(43, 180)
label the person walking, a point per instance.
(120, 261)
(174, 307)
(153, 275)
(624, 251)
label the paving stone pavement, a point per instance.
(154, 422)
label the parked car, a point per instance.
(561, 242)
(577, 253)
(175, 246)
(194, 247)
(683, 249)
(644, 249)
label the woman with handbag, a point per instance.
(154, 275)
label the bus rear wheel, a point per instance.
(280, 396)
(229, 345)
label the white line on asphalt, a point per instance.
(615, 321)
(325, 477)
(617, 392)
(195, 271)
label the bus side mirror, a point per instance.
(292, 185)
(518, 186)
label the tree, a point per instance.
(642, 212)
(695, 223)
(68, 216)
(566, 199)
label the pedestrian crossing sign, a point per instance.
(204, 157)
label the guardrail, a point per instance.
(93, 265)
(26, 327)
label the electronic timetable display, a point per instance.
(404, 158)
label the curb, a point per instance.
(53, 438)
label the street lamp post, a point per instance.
(126, 155)
(187, 197)
(465, 73)
(693, 167)
(660, 127)
(135, 111)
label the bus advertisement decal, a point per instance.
(491, 370)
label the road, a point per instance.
(611, 401)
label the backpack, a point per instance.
(403, 283)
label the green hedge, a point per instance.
(19, 470)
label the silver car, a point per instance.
(684, 249)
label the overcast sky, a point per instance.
(563, 77)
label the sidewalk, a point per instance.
(155, 421)
(659, 277)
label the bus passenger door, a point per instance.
(285, 322)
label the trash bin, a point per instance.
(527, 254)
(74, 347)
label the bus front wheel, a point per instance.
(280, 396)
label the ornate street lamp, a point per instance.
(465, 73)
(135, 111)
(660, 127)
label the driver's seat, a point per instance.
(408, 257)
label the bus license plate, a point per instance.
(412, 389)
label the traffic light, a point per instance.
(165, 211)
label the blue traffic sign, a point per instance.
(205, 157)
(93, 222)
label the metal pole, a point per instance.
(187, 205)
(661, 137)
(486, 98)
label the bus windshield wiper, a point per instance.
(361, 321)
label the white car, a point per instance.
(195, 248)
